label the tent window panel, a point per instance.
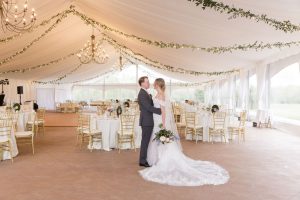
(87, 93)
(253, 93)
(183, 93)
(285, 93)
(120, 94)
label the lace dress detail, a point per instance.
(170, 166)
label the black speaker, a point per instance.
(20, 89)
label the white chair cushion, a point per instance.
(41, 121)
(23, 134)
(92, 132)
(125, 133)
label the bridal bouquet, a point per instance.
(164, 135)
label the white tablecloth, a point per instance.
(23, 118)
(109, 128)
(6, 154)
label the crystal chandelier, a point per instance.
(93, 52)
(14, 18)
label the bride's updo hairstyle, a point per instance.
(160, 83)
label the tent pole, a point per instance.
(137, 79)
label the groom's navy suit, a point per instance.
(146, 121)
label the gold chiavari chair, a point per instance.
(176, 111)
(126, 133)
(86, 131)
(79, 130)
(27, 137)
(266, 123)
(71, 107)
(240, 129)
(58, 107)
(181, 124)
(192, 127)
(5, 136)
(100, 110)
(218, 129)
(39, 120)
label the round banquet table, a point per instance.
(5, 155)
(205, 119)
(109, 128)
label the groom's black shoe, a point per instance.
(145, 165)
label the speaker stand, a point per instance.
(20, 99)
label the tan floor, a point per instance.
(267, 166)
(61, 119)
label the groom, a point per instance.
(146, 118)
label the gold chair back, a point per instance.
(100, 109)
(84, 122)
(219, 120)
(243, 116)
(40, 114)
(190, 119)
(6, 126)
(127, 123)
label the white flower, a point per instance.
(162, 138)
(167, 139)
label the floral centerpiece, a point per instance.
(164, 136)
(17, 107)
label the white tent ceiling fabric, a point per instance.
(170, 20)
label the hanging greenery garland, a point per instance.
(9, 58)
(23, 70)
(141, 58)
(55, 81)
(220, 7)
(73, 82)
(161, 44)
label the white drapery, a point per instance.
(231, 91)
(244, 89)
(263, 86)
(46, 98)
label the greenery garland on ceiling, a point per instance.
(73, 82)
(161, 44)
(40, 66)
(156, 64)
(55, 81)
(9, 58)
(220, 7)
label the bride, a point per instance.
(169, 165)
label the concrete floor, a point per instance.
(266, 167)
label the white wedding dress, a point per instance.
(170, 166)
